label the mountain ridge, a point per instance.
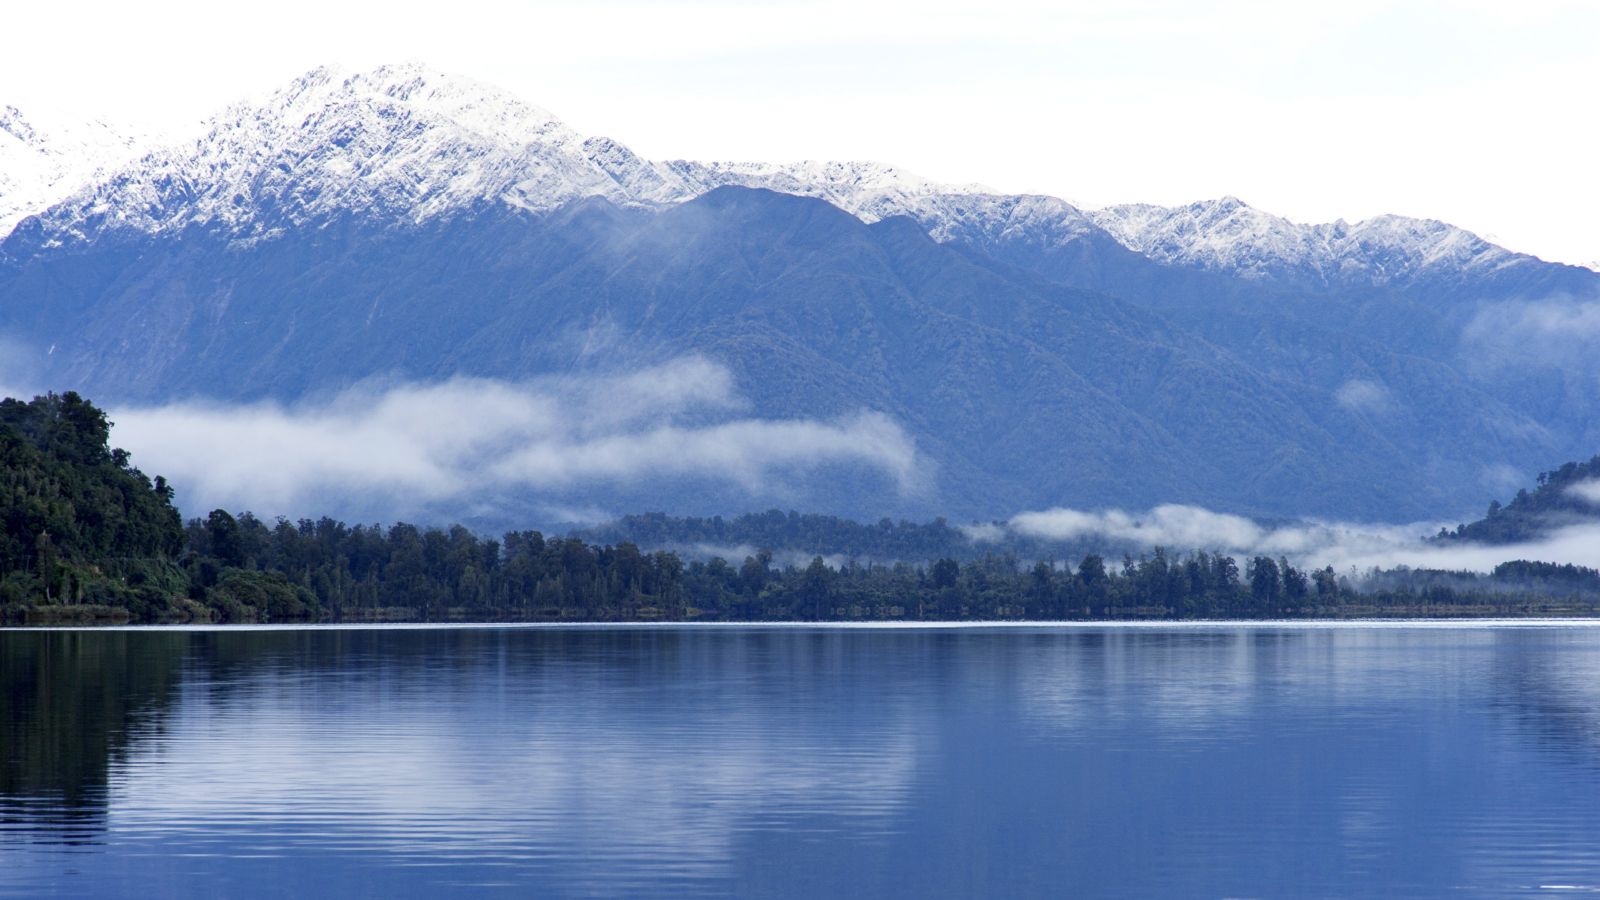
(451, 143)
(41, 166)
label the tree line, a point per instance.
(1564, 495)
(89, 537)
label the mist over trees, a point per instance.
(812, 534)
(1560, 496)
(88, 537)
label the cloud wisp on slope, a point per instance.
(407, 446)
(1346, 546)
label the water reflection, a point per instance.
(1554, 693)
(648, 753)
(788, 762)
(70, 702)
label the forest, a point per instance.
(90, 538)
(1560, 496)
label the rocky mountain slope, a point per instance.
(41, 166)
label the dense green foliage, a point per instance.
(87, 537)
(327, 569)
(1553, 502)
(78, 524)
(348, 573)
(243, 569)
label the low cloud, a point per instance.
(1559, 332)
(416, 445)
(1502, 478)
(19, 368)
(1343, 545)
(1170, 525)
(735, 555)
(1577, 544)
(1364, 396)
(1587, 491)
(983, 532)
(746, 452)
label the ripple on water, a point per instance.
(793, 762)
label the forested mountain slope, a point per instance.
(401, 223)
(1022, 392)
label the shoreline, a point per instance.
(1442, 624)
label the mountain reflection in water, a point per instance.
(797, 762)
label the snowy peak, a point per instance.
(636, 179)
(398, 145)
(869, 190)
(1225, 234)
(404, 144)
(40, 166)
(470, 105)
(17, 127)
(1228, 235)
(874, 191)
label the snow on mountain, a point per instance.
(873, 191)
(1228, 235)
(1223, 235)
(399, 143)
(405, 144)
(40, 166)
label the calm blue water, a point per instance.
(787, 762)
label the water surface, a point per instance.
(782, 762)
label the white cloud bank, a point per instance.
(1342, 545)
(1587, 491)
(1364, 396)
(1556, 331)
(415, 444)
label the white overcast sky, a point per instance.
(1485, 114)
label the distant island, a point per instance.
(90, 539)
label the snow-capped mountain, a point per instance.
(874, 191)
(41, 166)
(870, 191)
(399, 143)
(405, 144)
(1228, 235)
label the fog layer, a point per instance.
(409, 446)
(1343, 545)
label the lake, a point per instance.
(1207, 761)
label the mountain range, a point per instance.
(409, 224)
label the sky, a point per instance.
(1484, 114)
